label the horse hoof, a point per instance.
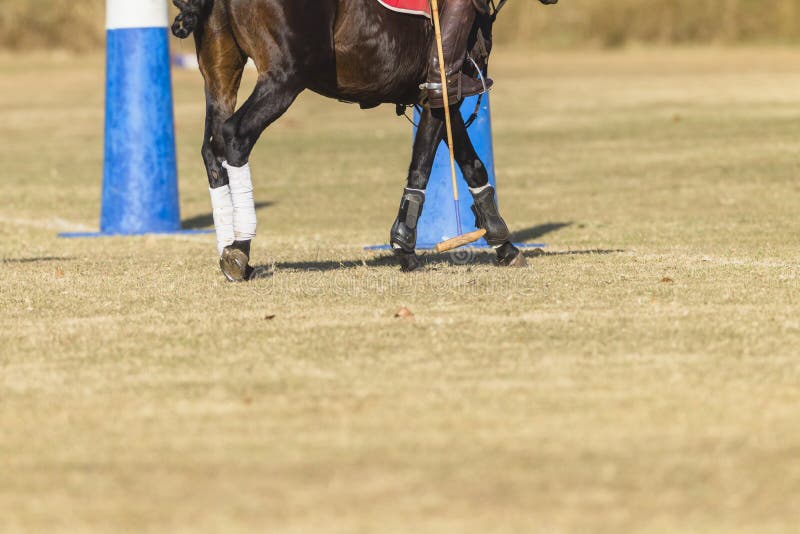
(515, 260)
(234, 265)
(409, 262)
(520, 262)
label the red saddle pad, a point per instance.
(413, 7)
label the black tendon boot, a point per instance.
(457, 19)
(403, 237)
(487, 216)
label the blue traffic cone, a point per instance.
(140, 180)
(439, 221)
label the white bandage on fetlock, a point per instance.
(478, 190)
(244, 206)
(222, 210)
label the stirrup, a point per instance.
(481, 77)
(431, 86)
(438, 86)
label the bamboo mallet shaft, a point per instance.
(460, 241)
(471, 237)
(437, 28)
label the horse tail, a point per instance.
(191, 13)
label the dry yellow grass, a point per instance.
(651, 386)
(613, 24)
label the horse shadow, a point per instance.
(41, 259)
(527, 235)
(432, 260)
(428, 259)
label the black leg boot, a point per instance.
(457, 19)
(487, 216)
(403, 236)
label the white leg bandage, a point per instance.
(244, 206)
(477, 190)
(222, 206)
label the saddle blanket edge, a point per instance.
(411, 7)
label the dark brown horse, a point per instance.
(351, 50)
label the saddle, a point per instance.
(412, 7)
(479, 44)
(423, 7)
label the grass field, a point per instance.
(641, 375)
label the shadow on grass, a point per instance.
(535, 232)
(462, 258)
(42, 259)
(206, 220)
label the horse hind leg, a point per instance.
(487, 214)
(403, 235)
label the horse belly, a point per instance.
(380, 54)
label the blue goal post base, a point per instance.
(140, 178)
(94, 235)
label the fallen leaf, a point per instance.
(404, 313)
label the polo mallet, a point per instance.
(462, 239)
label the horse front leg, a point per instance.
(273, 94)
(403, 236)
(222, 65)
(487, 214)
